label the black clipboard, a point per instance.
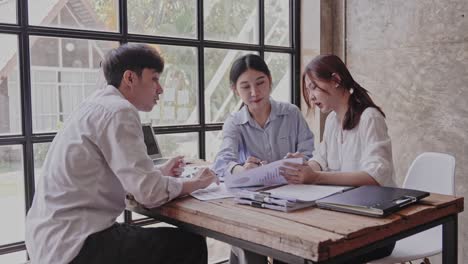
(376, 201)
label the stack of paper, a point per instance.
(288, 197)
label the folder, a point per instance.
(376, 201)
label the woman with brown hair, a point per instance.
(356, 149)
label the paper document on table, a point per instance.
(305, 192)
(213, 191)
(265, 175)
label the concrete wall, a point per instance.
(412, 55)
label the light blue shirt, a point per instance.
(285, 131)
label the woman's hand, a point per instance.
(173, 167)
(294, 155)
(298, 173)
(253, 162)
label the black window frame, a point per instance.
(23, 31)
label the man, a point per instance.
(96, 159)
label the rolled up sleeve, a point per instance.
(123, 148)
(377, 158)
(228, 156)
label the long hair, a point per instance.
(323, 67)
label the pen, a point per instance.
(260, 204)
(282, 197)
(261, 197)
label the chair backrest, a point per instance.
(432, 172)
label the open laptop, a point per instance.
(152, 145)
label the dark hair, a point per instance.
(134, 57)
(322, 67)
(249, 61)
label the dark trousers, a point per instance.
(123, 243)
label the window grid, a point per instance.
(24, 32)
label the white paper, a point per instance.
(213, 191)
(305, 192)
(265, 175)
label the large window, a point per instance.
(50, 62)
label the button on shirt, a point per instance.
(96, 159)
(367, 147)
(285, 131)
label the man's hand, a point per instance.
(205, 177)
(298, 173)
(173, 167)
(201, 180)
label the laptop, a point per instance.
(152, 145)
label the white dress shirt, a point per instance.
(366, 147)
(96, 159)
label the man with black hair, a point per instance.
(96, 159)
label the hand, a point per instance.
(205, 177)
(298, 173)
(173, 167)
(253, 162)
(294, 155)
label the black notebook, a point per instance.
(374, 201)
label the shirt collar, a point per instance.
(115, 91)
(276, 110)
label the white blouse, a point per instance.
(367, 147)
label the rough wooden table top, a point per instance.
(310, 233)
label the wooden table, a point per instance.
(311, 235)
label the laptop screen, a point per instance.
(150, 142)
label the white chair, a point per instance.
(431, 172)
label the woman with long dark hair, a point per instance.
(263, 130)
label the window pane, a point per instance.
(178, 103)
(234, 21)
(172, 18)
(280, 68)
(277, 23)
(219, 98)
(185, 144)
(10, 96)
(213, 143)
(63, 73)
(14, 258)
(11, 194)
(85, 14)
(40, 152)
(121, 218)
(8, 12)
